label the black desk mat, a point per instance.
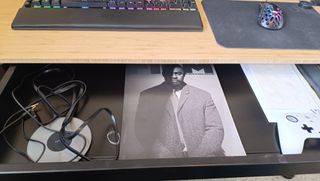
(234, 24)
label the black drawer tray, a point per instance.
(105, 88)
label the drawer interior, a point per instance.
(105, 88)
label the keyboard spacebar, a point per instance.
(74, 18)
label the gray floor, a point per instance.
(306, 177)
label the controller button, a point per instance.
(292, 118)
(305, 127)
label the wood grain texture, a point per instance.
(43, 46)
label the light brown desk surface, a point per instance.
(129, 46)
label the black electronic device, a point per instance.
(305, 4)
(311, 73)
(175, 15)
(316, 2)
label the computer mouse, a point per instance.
(270, 16)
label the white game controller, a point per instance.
(295, 128)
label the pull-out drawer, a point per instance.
(105, 88)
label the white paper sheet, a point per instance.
(281, 89)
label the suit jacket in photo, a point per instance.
(156, 127)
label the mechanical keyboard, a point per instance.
(172, 15)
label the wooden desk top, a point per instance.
(129, 46)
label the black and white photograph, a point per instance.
(176, 111)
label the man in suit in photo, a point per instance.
(175, 119)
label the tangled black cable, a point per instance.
(44, 92)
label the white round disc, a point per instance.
(55, 151)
